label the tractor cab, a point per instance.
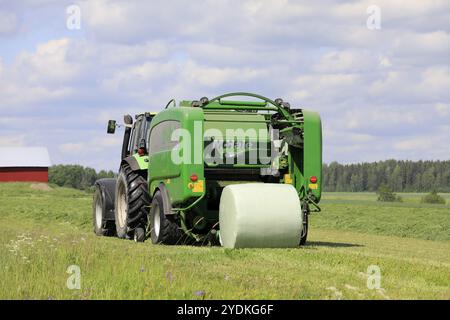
(138, 143)
(135, 144)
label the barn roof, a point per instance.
(13, 157)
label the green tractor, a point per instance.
(242, 173)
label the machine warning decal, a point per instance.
(198, 186)
(287, 179)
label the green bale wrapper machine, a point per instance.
(242, 173)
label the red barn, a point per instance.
(24, 164)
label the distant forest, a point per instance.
(399, 175)
(76, 176)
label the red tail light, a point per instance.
(313, 179)
(194, 177)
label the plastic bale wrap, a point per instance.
(260, 215)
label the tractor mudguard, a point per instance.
(166, 199)
(108, 188)
(137, 162)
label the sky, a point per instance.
(377, 71)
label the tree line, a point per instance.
(398, 175)
(76, 176)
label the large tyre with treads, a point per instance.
(102, 207)
(164, 229)
(132, 202)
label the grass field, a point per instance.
(44, 232)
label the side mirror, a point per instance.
(111, 126)
(128, 120)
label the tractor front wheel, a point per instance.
(163, 228)
(131, 204)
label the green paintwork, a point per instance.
(243, 103)
(161, 167)
(312, 154)
(142, 161)
(230, 120)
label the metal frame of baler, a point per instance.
(287, 121)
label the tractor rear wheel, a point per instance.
(132, 202)
(163, 228)
(102, 227)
